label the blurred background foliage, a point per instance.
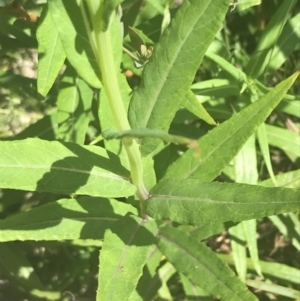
(68, 270)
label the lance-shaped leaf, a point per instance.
(57, 167)
(192, 291)
(220, 145)
(124, 253)
(201, 265)
(274, 270)
(194, 202)
(173, 64)
(51, 52)
(68, 19)
(74, 103)
(150, 281)
(108, 7)
(264, 50)
(84, 218)
(192, 104)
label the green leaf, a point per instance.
(205, 231)
(124, 253)
(216, 88)
(290, 229)
(83, 217)
(173, 64)
(263, 52)
(291, 107)
(150, 282)
(196, 261)
(238, 248)
(274, 288)
(275, 270)
(194, 202)
(192, 104)
(57, 167)
(251, 240)
(245, 4)
(16, 267)
(284, 139)
(265, 150)
(236, 73)
(193, 292)
(51, 52)
(220, 145)
(286, 44)
(157, 5)
(74, 104)
(108, 7)
(245, 165)
(288, 179)
(68, 19)
(165, 272)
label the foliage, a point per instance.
(158, 125)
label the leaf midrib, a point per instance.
(82, 171)
(198, 262)
(166, 73)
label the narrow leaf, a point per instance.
(236, 73)
(289, 180)
(283, 138)
(264, 147)
(192, 104)
(249, 228)
(52, 166)
(165, 272)
(220, 145)
(245, 165)
(273, 269)
(196, 261)
(194, 202)
(217, 88)
(150, 282)
(194, 292)
(245, 4)
(238, 247)
(173, 64)
(288, 228)
(286, 44)
(263, 52)
(108, 7)
(125, 250)
(83, 217)
(51, 52)
(274, 288)
(69, 22)
(74, 103)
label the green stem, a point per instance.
(111, 87)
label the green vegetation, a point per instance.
(151, 152)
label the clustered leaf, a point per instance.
(149, 205)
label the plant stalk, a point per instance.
(111, 87)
